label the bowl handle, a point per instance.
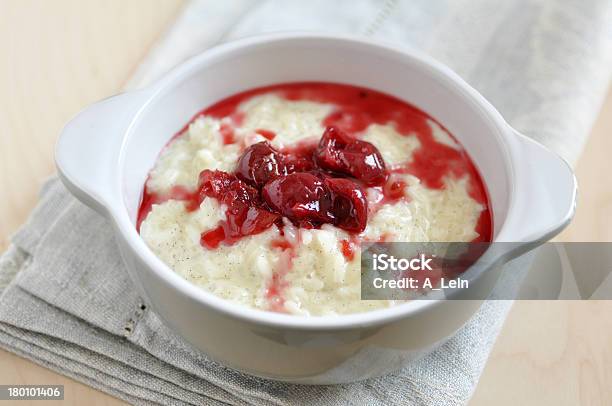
(87, 152)
(545, 194)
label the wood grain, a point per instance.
(560, 353)
(57, 57)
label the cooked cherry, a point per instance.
(260, 163)
(243, 220)
(349, 204)
(297, 183)
(300, 197)
(213, 183)
(212, 238)
(320, 174)
(338, 152)
(226, 188)
(238, 191)
(300, 158)
(244, 215)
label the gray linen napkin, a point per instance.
(66, 302)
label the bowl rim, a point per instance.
(162, 271)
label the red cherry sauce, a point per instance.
(326, 180)
(356, 108)
(277, 284)
(176, 193)
(348, 248)
(267, 134)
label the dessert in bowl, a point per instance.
(265, 197)
(109, 151)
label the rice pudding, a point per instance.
(264, 197)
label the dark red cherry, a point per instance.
(299, 197)
(260, 163)
(320, 174)
(338, 152)
(213, 183)
(300, 158)
(243, 219)
(226, 188)
(245, 214)
(239, 191)
(349, 204)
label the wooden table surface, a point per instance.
(57, 57)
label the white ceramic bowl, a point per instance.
(105, 153)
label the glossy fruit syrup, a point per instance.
(324, 182)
